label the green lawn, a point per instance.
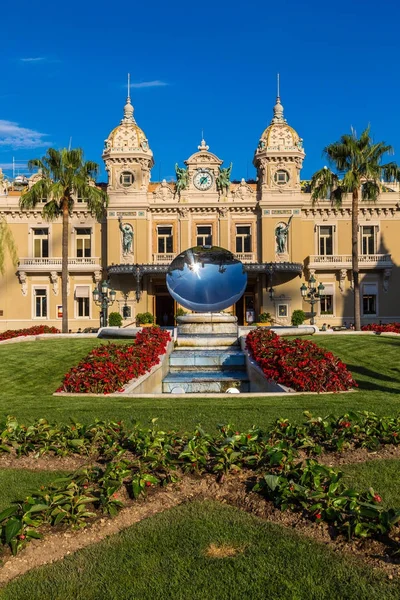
(382, 475)
(31, 371)
(166, 557)
(15, 484)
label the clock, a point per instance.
(203, 180)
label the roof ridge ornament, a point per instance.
(203, 146)
(128, 108)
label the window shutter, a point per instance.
(82, 291)
(329, 289)
(369, 289)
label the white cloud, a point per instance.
(14, 136)
(147, 84)
(33, 60)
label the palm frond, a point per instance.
(97, 201)
(51, 210)
(7, 244)
(370, 191)
(31, 197)
(323, 182)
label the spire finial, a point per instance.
(128, 108)
(278, 108)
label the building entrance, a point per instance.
(164, 309)
(244, 309)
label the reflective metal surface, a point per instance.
(206, 279)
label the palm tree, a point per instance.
(7, 244)
(64, 174)
(358, 171)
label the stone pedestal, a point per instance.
(207, 329)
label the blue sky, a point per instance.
(203, 65)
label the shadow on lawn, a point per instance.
(373, 385)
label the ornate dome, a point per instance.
(127, 136)
(279, 134)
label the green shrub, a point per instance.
(264, 317)
(298, 317)
(115, 319)
(143, 318)
(180, 312)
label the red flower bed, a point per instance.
(36, 330)
(298, 363)
(108, 368)
(387, 327)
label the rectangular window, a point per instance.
(368, 239)
(41, 242)
(369, 299)
(83, 242)
(325, 240)
(243, 238)
(164, 240)
(326, 302)
(40, 303)
(204, 235)
(83, 307)
(82, 298)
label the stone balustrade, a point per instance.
(29, 264)
(343, 261)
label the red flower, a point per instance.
(318, 515)
(377, 498)
(148, 483)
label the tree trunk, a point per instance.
(354, 259)
(64, 267)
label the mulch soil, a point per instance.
(234, 490)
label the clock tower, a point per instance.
(203, 171)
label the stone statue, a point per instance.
(281, 236)
(127, 237)
(182, 178)
(223, 180)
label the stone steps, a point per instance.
(205, 381)
(203, 359)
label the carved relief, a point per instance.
(163, 192)
(54, 281)
(243, 191)
(342, 279)
(386, 276)
(23, 281)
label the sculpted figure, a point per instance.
(182, 178)
(127, 237)
(223, 179)
(281, 236)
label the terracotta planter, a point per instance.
(145, 324)
(266, 324)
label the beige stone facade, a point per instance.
(149, 223)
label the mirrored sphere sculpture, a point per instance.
(206, 279)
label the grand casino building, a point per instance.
(148, 223)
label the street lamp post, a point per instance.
(104, 298)
(312, 295)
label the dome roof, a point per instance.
(279, 133)
(127, 136)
